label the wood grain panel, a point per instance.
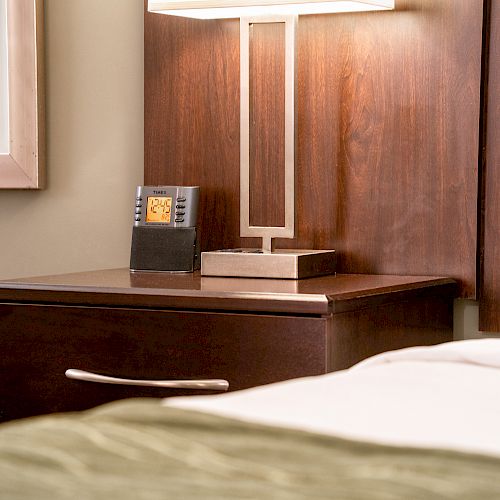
(389, 149)
(191, 121)
(267, 124)
(489, 308)
(388, 113)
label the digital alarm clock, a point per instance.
(164, 235)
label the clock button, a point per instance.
(139, 198)
(180, 206)
(179, 220)
(137, 219)
(180, 199)
(180, 213)
(138, 211)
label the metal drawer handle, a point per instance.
(208, 384)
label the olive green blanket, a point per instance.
(137, 449)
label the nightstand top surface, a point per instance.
(122, 288)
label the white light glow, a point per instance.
(270, 9)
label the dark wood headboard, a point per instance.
(388, 133)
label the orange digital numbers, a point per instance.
(159, 209)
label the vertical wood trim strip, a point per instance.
(489, 308)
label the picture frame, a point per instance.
(23, 166)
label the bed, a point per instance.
(415, 423)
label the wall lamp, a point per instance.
(266, 262)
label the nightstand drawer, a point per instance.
(40, 342)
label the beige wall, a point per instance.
(94, 78)
(466, 321)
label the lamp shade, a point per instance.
(220, 9)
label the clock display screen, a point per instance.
(159, 209)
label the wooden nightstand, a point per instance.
(161, 326)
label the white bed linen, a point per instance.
(445, 396)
